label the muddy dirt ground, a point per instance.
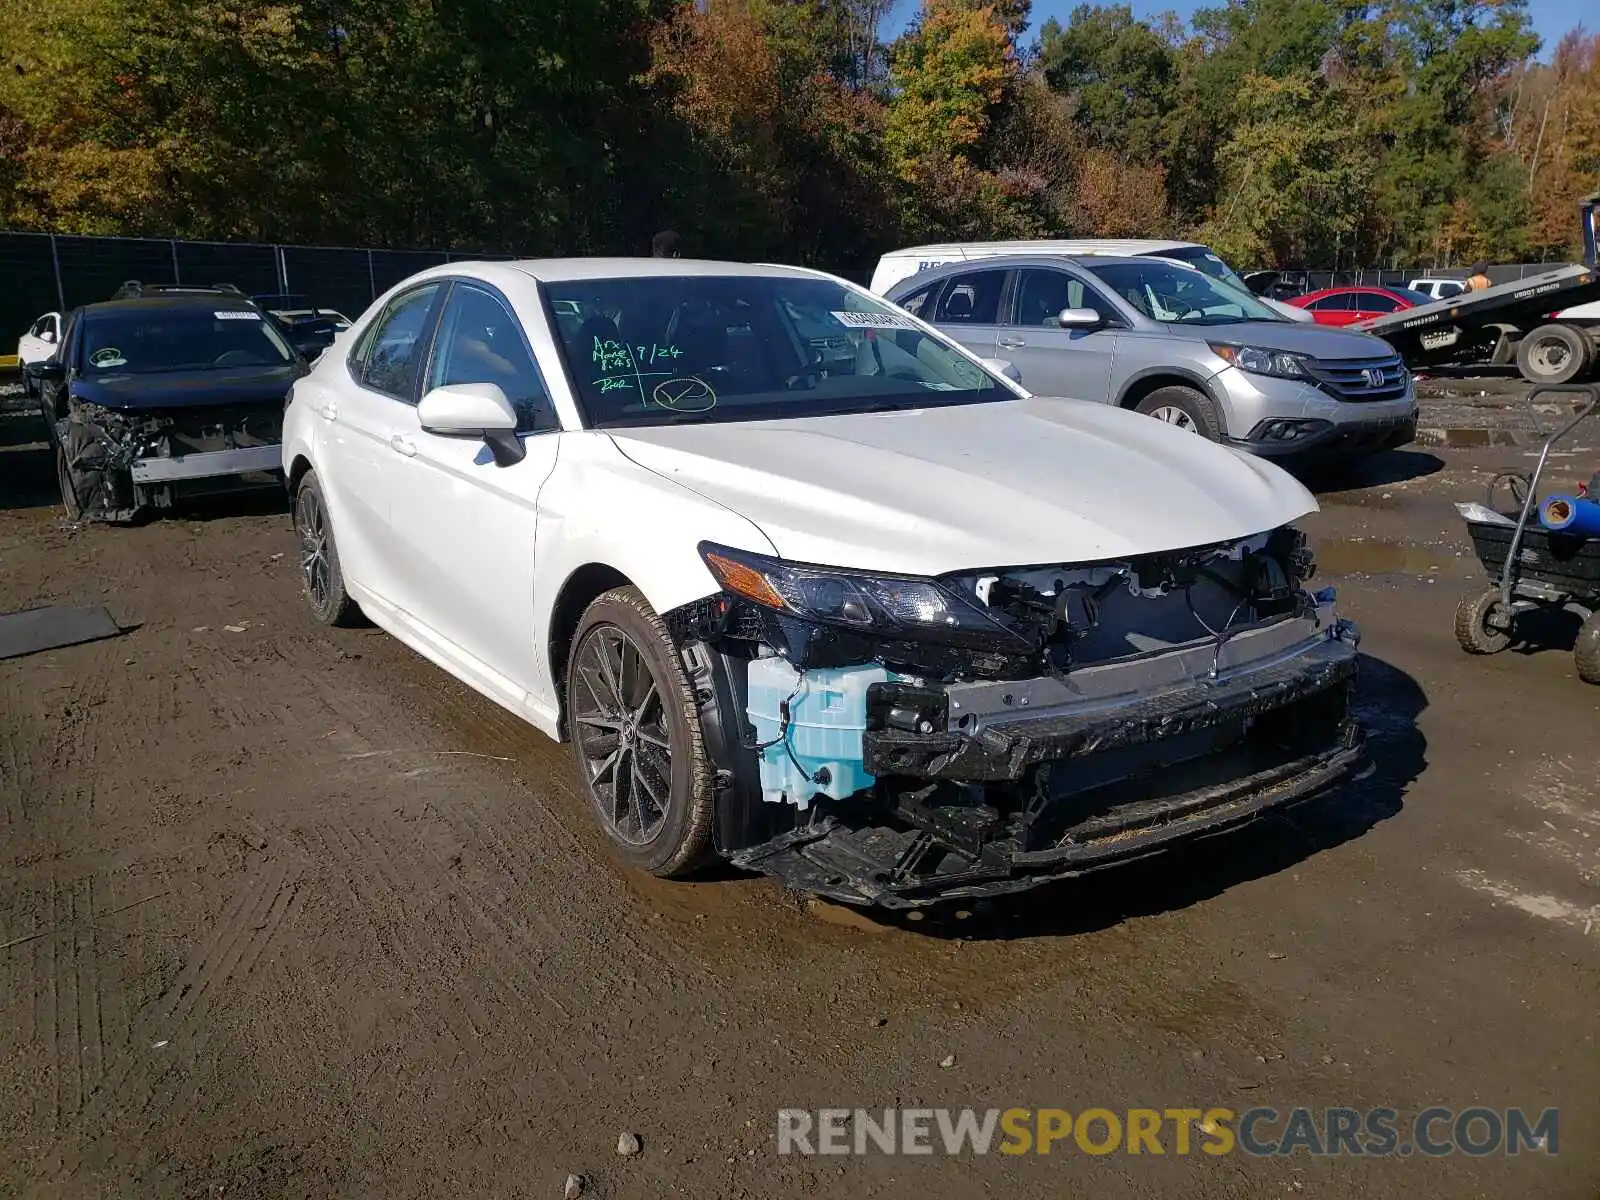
(288, 912)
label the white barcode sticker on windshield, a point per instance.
(874, 320)
(236, 314)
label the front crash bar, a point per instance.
(1007, 749)
(858, 866)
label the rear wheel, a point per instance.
(1184, 408)
(320, 577)
(635, 729)
(1483, 624)
(1554, 354)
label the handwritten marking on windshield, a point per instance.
(612, 355)
(689, 394)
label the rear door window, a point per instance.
(393, 349)
(971, 299)
(917, 301)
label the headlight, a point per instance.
(1259, 361)
(888, 606)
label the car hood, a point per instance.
(1317, 341)
(927, 491)
(189, 389)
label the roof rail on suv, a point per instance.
(133, 289)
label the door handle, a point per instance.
(1012, 343)
(403, 445)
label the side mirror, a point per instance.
(1079, 318)
(48, 336)
(46, 370)
(474, 410)
(1003, 366)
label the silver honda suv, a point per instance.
(1170, 341)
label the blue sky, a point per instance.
(1551, 18)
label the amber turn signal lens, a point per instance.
(743, 581)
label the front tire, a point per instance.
(69, 488)
(321, 580)
(1184, 407)
(88, 484)
(1482, 625)
(635, 728)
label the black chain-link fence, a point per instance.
(55, 272)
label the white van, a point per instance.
(901, 264)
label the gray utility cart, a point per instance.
(1535, 567)
(1510, 322)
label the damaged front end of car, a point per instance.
(119, 462)
(896, 741)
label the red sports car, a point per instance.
(1347, 305)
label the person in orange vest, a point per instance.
(1479, 279)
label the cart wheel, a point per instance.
(1586, 652)
(1483, 625)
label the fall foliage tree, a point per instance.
(1289, 132)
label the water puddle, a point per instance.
(1382, 556)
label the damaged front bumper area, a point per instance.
(892, 785)
(122, 462)
(1049, 781)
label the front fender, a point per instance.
(601, 509)
(1192, 376)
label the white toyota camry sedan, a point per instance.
(808, 586)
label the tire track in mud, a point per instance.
(532, 839)
(16, 774)
(451, 934)
(169, 1033)
(71, 1005)
(77, 734)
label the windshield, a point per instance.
(144, 341)
(1174, 294)
(1414, 296)
(659, 349)
(1203, 258)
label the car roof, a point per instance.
(566, 270)
(1085, 262)
(509, 271)
(173, 300)
(1344, 288)
(1123, 247)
